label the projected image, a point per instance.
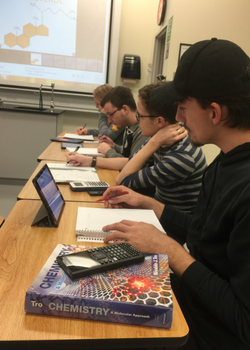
(42, 24)
(60, 41)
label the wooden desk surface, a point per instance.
(23, 252)
(54, 151)
(29, 191)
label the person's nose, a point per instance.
(179, 115)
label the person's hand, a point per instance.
(148, 239)
(169, 135)
(107, 140)
(78, 159)
(130, 200)
(144, 237)
(81, 131)
(103, 147)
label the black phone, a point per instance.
(95, 260)
(96, 193)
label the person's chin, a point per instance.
(196, 143)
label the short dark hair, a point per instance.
(119, 96)
(238, 106)
(165, 110)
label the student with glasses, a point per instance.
(169, 171)
(119, 107)
(177, 168)
(104, 128)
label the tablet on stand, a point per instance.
(51, 210)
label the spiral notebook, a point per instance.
(90, 221)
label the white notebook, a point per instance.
(90, 221)
(79, 137)
(64, 173)
(86, 151)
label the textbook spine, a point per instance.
(94, 310)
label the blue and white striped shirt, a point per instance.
(176, 174)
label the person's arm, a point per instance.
(105, 163)
(224, 299)
(103, 147)
(93, 132)
(81, 131)
(115, 152)
(131, 200)
(215, 293)
(136, 162)
(167, 136)
(148, 239)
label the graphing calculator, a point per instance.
(100, 186)
(95, 260)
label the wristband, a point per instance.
(93, 164)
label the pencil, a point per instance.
(77, 148)
(116, 195)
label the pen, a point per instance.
(84, 126)
(76, 149)
(116, 195)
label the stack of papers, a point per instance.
(65, 173)
(80, 137)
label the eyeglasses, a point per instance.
(111, 114)
(138, 116)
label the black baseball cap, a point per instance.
(208, 69)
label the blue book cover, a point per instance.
(137, 294)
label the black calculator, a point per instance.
(95, 260)
(88, 186)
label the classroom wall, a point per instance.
(193, 20)
(137, 31)
(196, 20)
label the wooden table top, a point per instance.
(54, 151)
(23, 252)
(29, 191)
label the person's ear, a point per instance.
(161, 122)
(126, 109)
(216, 113)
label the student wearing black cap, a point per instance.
(211, 281)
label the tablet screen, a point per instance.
(49, 193)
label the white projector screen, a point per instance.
(61, 41)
